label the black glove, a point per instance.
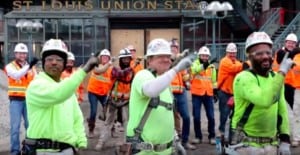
(33, 62)
(216, 95)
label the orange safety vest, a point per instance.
(227, 71)
(121, 90)
(177, 85)
(100, 84)
(135, 67)
(17, 88)
(296, 72)
(275, 65)
(80, 89)
(202, 83)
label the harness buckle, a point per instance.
(145, 146)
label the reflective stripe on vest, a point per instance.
(202, 83)
(18, 87)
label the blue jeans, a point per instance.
(223, 108)
(209, 109)
(182, 107)
(93, 99)
(17, 109)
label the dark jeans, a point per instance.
(182, 107)
(289, 92)
(224, 109)
(93, 99)
(207, 101)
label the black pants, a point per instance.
(289, 92)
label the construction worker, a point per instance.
(181, 102)
(289, 45)
(228, 68)
(118, 96)
(20, 73)
(70, 69)
(151, 102)
(295, 113)
(204, 80)
(260, 113)
(56, 121)
(136, 61)
(98, 88)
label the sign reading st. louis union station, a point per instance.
(88, 5)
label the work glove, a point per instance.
(33, 62)
(286, 63)
(284, 149)
(90, 64)
(183, 64)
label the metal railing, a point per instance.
(272, 17)
(292, 27)
(221, 50)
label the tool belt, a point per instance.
(141, 145)
(259, 140)
(46, 144)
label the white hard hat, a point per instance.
(21, 47)
(231, 47)
(204, 50)
(124, 53)
(292, 37)
(105, 52)
(54, 46)
(158, 47)
(257, 38)
(130, 47)
(71, 56)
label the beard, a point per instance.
(260, 67)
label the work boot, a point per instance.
(91, 125)
(212, 141)
(189, 146)
(196, 141)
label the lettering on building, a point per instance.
(117, 5)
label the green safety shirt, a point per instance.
(269, 105)
(53, 109)
(159, 127)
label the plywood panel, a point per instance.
(121, 38)
(167, 34)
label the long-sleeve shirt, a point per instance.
(17, 74)
(267, 95)
(53, 109)
(228, 69)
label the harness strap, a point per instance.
(141, 145)
(154, 102)
(260, 140)
(47, 144)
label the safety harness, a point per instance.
(137, 141)
(242, 136)
(31, 145)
